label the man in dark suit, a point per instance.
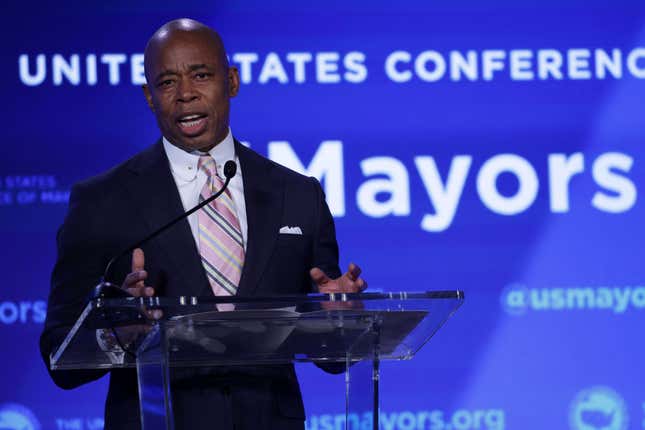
(189, 84)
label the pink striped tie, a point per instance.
(220, 239)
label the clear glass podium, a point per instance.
(347, 332)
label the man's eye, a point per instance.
(166, 83)
(201, 75)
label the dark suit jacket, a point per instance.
(113, 210)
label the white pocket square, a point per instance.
(290, 230)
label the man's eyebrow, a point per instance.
(194, 67)
(165, 73)
(191, 68)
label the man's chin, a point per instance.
(198, 143)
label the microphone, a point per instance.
(105, 289)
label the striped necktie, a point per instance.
(220, 239)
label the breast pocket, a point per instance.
(288, 270)
(294, 241)
(294, 246)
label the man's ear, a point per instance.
(233, 81)
(148, 96)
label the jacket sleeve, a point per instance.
(325, 252)
(326, 255)
(79, 265)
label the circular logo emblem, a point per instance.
(515, 299)
(598, 408)
(17, 417)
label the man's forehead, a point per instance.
(196, 43)
(188, 55)
(187, 50)
(177, 49)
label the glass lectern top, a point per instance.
(196, 331)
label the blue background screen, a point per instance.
(494, 147)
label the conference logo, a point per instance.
(30, 189)
(334, 67)
(598, 408)
(385, 190)
(515, 299)
(22, 312)
(437, 419)
(17, 417)
(519, 299)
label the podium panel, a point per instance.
(338, 332)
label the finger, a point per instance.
(137, 291)
(353, 286)
(348, 286)
(138, 260)
(333, 286)
(134, 292)
(318, 276)
(353, 271)
(361, 284)
(133, 278)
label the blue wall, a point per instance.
(494, 147)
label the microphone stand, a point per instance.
(105, 289)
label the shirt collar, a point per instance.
(184, 164)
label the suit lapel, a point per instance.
(263, 195)
(154, 189)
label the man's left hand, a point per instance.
(350, 282)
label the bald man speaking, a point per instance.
(271, 232)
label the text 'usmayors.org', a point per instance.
(460, 419)
(518, 299)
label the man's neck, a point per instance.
(203, 150)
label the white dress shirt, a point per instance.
(190, 180)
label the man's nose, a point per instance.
(185, 91)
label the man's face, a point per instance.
(189, 86)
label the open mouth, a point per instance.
(192, 124)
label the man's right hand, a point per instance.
(134, 283)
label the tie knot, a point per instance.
(207, 164)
